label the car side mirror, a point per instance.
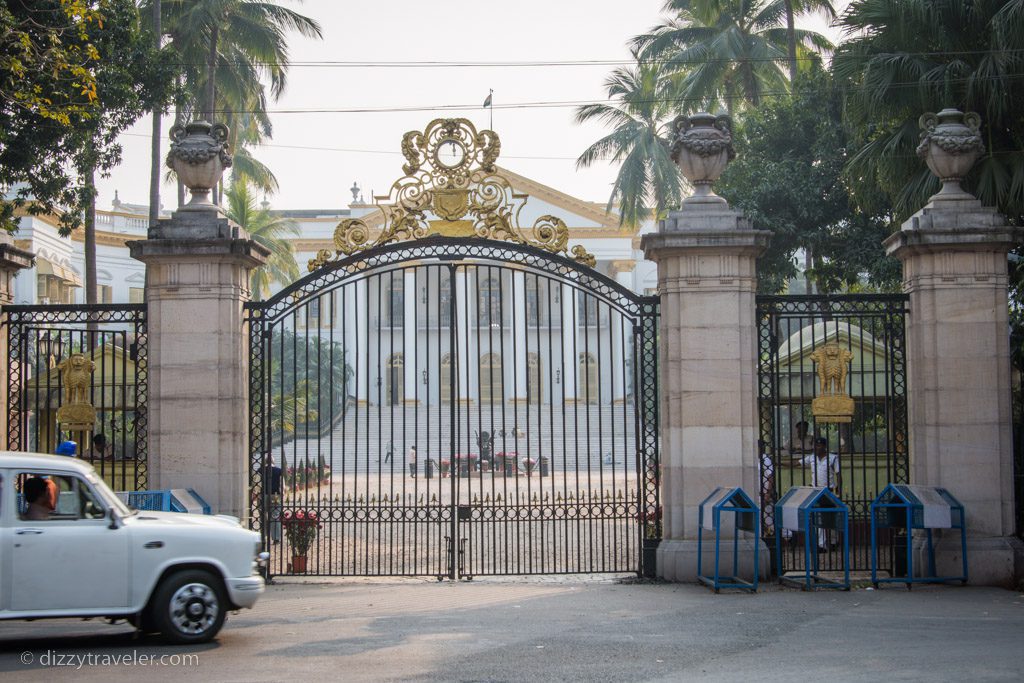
(113, 519)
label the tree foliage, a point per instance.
(46, 151)
(728, 53)
(268, 229)
(640, 112)
(788, 178)
(907, 57)
(228, 50)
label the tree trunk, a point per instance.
(791, 39)
(808, 267)
(211, 74)
(181, 185)
(154, 171)
(89, 182)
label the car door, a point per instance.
(71, 560)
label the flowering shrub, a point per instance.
(300, 527)
(304, 477)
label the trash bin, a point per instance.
(429, 469)
(545, 466)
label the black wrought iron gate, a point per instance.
(454, 407)
(112, 341)
(872, 448)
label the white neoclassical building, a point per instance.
(514, 338)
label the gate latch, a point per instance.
(465, 513)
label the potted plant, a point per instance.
(300, 528)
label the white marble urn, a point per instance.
(199, 155)
(950, 144)
(701, 148)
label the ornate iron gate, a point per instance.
(111, 340)
(526, 382)
(872, 447)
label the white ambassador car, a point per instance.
(91, 556)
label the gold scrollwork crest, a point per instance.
(451, 173)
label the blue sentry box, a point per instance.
(732, 501)
(811, 509)
(905, 506)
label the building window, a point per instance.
(394, 301)
(446, 377)
(104, 294)
(588, 378)
(489, 302)
(136, 295)
(395, 380)
(532, 302)
(533, 380)
(445, 301)
(320, 312)
(491, 389)
(587, 310)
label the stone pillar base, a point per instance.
(991, 561)
(677, 560)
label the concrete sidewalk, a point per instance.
(587, 629)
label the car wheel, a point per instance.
(189, 607)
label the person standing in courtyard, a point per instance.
(410, 458)
(824, 471)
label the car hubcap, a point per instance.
(194, 608)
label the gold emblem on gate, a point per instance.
(832, 404)
(451, 205)
(450, 172)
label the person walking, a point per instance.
(410, 458)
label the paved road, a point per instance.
(561, 629)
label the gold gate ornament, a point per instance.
(450, 173)
(832, 404)
(76, 413)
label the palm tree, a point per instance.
(640, 111)
(267, 229)
(244, 44)
(904, 58)
(155, 161)
(793, 8)
(728, 51)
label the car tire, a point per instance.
(188, 607)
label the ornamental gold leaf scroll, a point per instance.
(450, 173)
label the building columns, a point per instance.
(409, 327)
(519, 337)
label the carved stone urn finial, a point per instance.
(199, 155)
(701, 148)
(950, 144)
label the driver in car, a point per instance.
(37, 496)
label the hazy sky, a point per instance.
(317, 155)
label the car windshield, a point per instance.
(109, 497)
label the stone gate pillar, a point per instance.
(198, 266)
(12, 260)
(706, 254)
(954, 254)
